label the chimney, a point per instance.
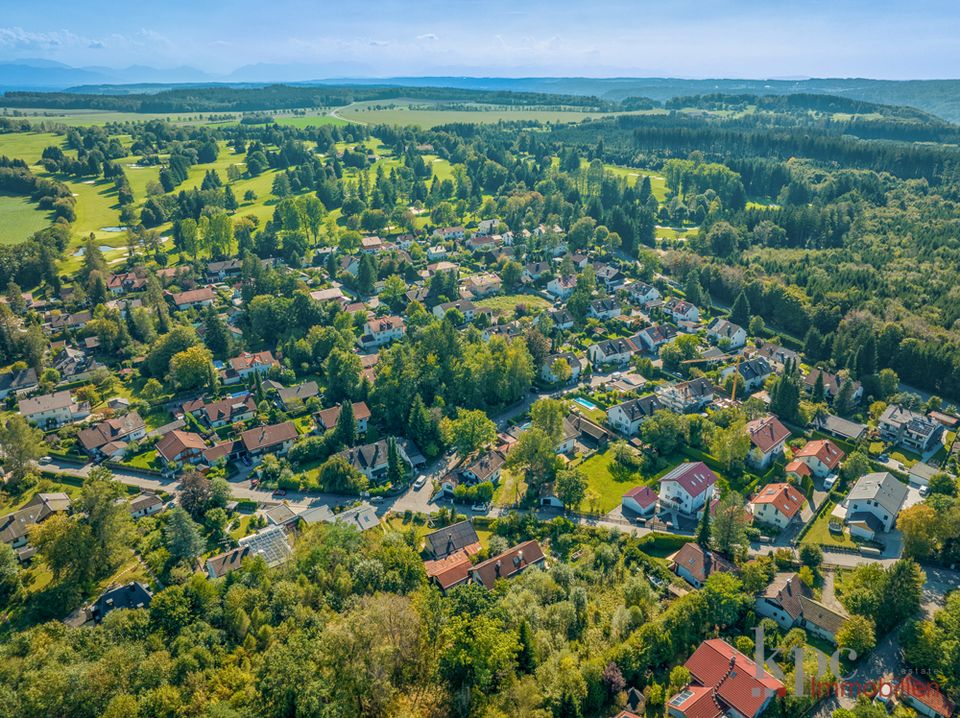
(496, 568)
(520, 557)
(450, 544)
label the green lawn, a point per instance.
(820, 533)
(145, 460)
(20, 218)
(599, 479)
(510, 488)
(507, 304)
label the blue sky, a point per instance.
(681, 38)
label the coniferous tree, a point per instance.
(346, 428)
(740, 311)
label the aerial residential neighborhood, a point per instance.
(441, 392)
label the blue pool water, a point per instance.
(584, 402)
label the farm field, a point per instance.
(21, 218)
(421, 115)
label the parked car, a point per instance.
(280, 492)
(376, 500)
(45, 459)
(418, 484)
(924, 490)
(480, 508)
(883, 458)
(830, 482)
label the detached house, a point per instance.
(695, 564)
(652, 338)
(231, 410)
(822, 457)
(328, 418)
(777, 505)
(627, 416)
(687, 488)
(19, 383)
(572, 360)
(753, 373)
(120, 431)
(612, 351)
(724, 682)
(379, 332)
(872, 505)
(831, 384)
(181, 447)
(508, 564)
(371, 459)
(641, 500)
(767, 436)
(642, 293)
(789, 602)
(534, 271)
(193, 298)
(909, 429)
(53, 410)
(680, 310)
(727, 334)
(272, 439)
(242, 367)
(604, 309)
(562, 287)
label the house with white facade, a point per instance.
(687, 488)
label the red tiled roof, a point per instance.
(643, 495)
(696, 702)
(265, 437)
(694, 476)
(508, 563)
(784, 497)
(699, 563)
(453, 569)
(923, 692)
(738, 681)
(798, 467)
(176, 442)
(329, 417)
(825, 450)
(767, 432)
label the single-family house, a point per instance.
(572, 360)
(687, 488)
(460, 536)
(371, 459)
(181, 447)
(777, 505)
(53, 410)
(753, 373)
(242, 367)
(695, 564)
(626, 417)
(296, 396)
(654, 337)
(822, 456)
(229, 410)
(508, 564)
(271, 439)
(680, 310)
(533, 271)
(382, 331)
(19, 382)
(767, 438)
(604, 309)
(724, 682)
(642, 293)
(127, 428)
(781, 600)
(328, 418)
(145, 504)
(727, 334)
(193, 298)
(562, 287)
(467, 308)
(924, 697)
(873, 504)
(611, 351)
(451, 570)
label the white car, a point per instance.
(480, 508)
(828, 483)
(418, 484)
(45, 460)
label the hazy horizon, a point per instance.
(744, 39)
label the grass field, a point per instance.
(421, 114)
(507, 305)
(27, 146)
(819, 532)
(599, 478)
(19, 218)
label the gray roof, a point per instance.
(451, 538)
(882, 487)
(820, 615)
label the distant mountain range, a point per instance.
(939, 97)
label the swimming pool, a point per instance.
(585, 403)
